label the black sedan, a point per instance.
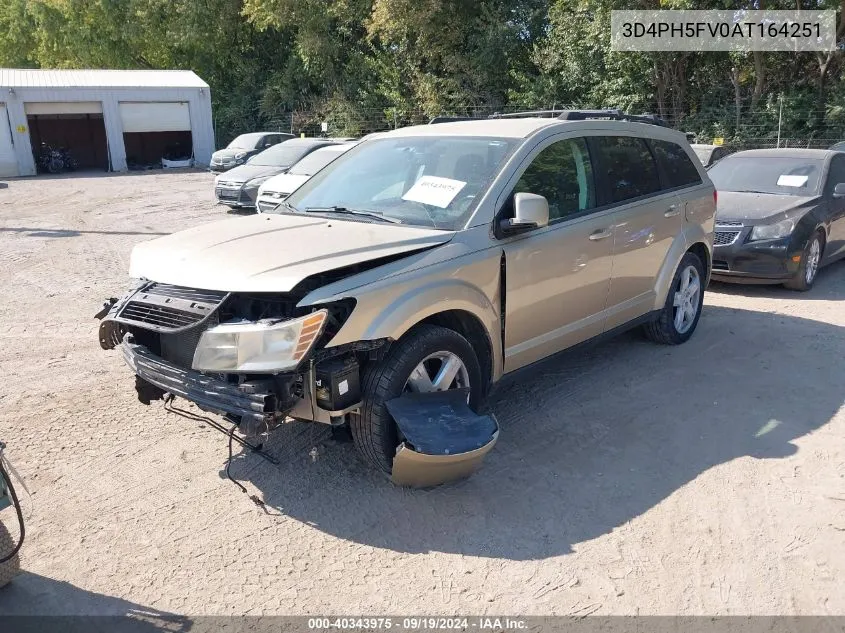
(238, 188)
(780, 215)
(245, 147)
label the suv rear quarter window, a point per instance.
(629, 167)
(678, 169)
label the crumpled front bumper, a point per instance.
(210, 394)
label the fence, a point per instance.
(743, 128)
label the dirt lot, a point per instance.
(629, 478)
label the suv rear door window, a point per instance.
(563, 174)
(677, 166)
(629, 165)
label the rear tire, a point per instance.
(686, 296)
(374, 432)
(808, 269)
(11, 567)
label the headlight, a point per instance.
(772, 231)
(258, 347)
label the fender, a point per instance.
(379, 316)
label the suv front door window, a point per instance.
(557, 278)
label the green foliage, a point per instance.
(364, 65)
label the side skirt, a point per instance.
(517, 374)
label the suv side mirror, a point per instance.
(839, 190)
(530, 212)
(268, 145)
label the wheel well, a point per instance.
(821, 231)
(703, 254)
(470, 327)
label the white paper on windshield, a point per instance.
(792, 181)
(434, 190)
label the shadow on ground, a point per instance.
(828, 286)
(36, 603)
(589, 441)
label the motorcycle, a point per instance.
(55, 161)
(10, 563)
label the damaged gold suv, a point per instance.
(428, 258)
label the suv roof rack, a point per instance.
(618, 115)
(525, 113)
(452, 119)
(564, 115)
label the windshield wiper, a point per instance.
(345, 211)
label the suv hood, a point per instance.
(271, 253)
(740, 205)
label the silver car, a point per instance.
(428, 258)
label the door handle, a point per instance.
(671, 212)
(600, 234)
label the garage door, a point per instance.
(8, 162)
(155, 117)
(63, 107)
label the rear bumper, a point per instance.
(206, 392)
(763, 261)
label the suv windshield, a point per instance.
(315, 161)
(281, 155)
(783, 175)
(432, 181)
(245, 141)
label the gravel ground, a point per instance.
(628, 478)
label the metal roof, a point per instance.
(30, 78)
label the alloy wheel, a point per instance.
(686, 299)
(438, 372)
(813, 256)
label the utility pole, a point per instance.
(780, 117)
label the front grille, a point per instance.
(728, 223)
(228, 194)
(723, 238)
(189, 294)
(168, 308)
(160, 316)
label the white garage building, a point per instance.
(107, 119)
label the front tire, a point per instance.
(415, 363)
(809, 267)
(679, 316)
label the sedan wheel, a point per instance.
(813, 257)
(805, 276)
